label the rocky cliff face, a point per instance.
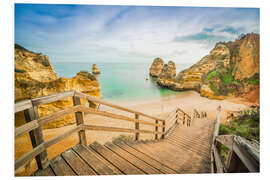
(230, 69)
(35, 76)
(156, 67)
(168, 72)
(95, 69)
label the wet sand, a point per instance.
(159, 108)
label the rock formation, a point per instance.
(95, 69)
(230, 69)
(168, 72)
(35, 76)
(156, 67)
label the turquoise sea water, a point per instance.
(121, 81)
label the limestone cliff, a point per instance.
(35, 77)
(95, 69)
(230, 69)
(156, 67)
(168, 72)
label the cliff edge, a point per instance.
(35, 77)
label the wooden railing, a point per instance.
(34, 123)
(243, 154)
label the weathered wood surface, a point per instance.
(114, 129)
(52, 98)
(23, 105)
(79, 121)
(137, 127)
(116, 116)
(185, 150)
(27, 127)
(36, 137)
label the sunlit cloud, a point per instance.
(128, 33)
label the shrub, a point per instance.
(246, 125)
(211, 75)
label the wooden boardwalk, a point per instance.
(183, 150)
(183, 143)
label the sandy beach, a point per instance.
(187, 101)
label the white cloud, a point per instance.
(117, 34)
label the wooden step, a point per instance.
(79, 166)
(158, 154)
(148, 159)
(61, 168)
(116, 160)
(92, 160)
(133, 159)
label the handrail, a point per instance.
(34, 123)
(91, 98)
(246, 151)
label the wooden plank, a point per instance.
(58, 114)
(133, 160)
(149, 160)
(79, 166)
(251, 164)
(52, 97)
(60, 167)
(116, 116)
(216, 129)
(79, 121)
(114, 129)
(44, 172)
(62, 136)
(219, 164)
(119, 162)
(156, 129)
(36, 137)
(163, 130)
(23, 105)
(183, 112)
(137, 127)
(226, 140)
(27, 127)
(29, 156)
(90, 157)
(155, 153)
(107, 163)
(94, 99)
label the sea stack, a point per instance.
(230, 69)
(95, 69)
(167, 74)
(156, 67)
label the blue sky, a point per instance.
(89, 33)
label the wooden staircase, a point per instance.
(182, 143)
(184, 150)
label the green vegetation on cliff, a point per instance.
(247, 124)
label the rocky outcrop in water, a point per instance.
(168, 72)
(156, 67)
(35, 77)
(95, 69)
(230, 69)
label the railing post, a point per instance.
(137, 126)
(79, 121)
(36, 136)
(156, 129)
(163, 130)
(177, 116)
